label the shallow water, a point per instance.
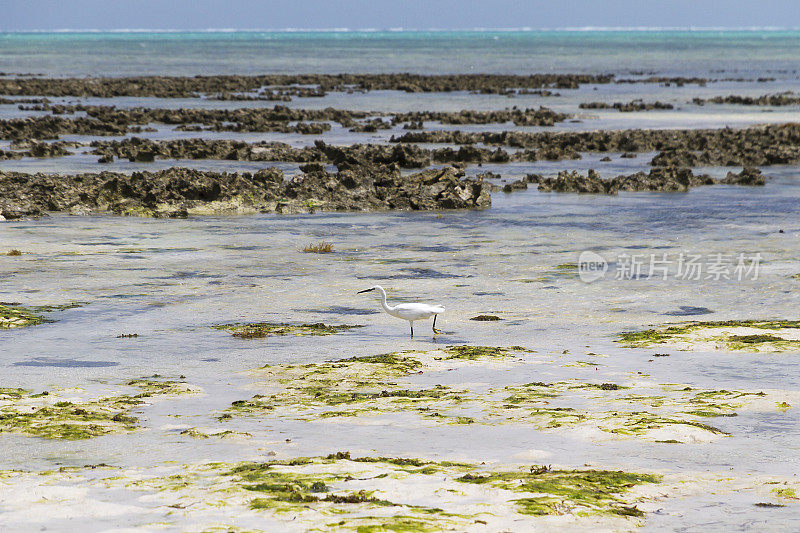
(169, 281)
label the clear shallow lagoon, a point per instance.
(171, 280)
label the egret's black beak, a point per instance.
(365, 290)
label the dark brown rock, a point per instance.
(180, 192)
(657, 180)
(748, 176)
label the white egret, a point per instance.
(410, 312)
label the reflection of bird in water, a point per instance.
(410, 312)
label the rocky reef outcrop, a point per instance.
(658, 179)
(178, 192)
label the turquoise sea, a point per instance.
(667, 52)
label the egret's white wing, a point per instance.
(416, 311)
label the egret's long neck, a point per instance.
(385, 305)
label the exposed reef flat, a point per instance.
(37, 149)
(109, 120)
(189, 87)
(404, 155)
(781, 99)
(51, 127)
(754, 146)
(658, 179)
(283, 86)
(180, 192)
(627, 107)
(728, 335)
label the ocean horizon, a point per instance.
(525, 29)
(660, 51)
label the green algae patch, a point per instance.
(9, 393)
(225, 434)
(786, 493)
(639, 423)
(642, 410)
(396, 361)
(65, 419)
(580, 364)
(338, 492)
(18, 317)
(531, 393)
(479, 352)
(53, 416)
(553, 274)
(59, 307)
(567, 491)
(383, 524)
(556, 417)
(297, 484)
(410, 464)
(14, 316)
(258, 330)
(160, 386)
(761, 343)
(317, 484)
(372, 494)
(400, 386)
(753, 339)
(567, 266)
(344, 388)
(731, 335)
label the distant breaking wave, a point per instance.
(588, 29)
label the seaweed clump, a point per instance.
(67, 420)
(18, 317)
(731, 341)
(486, 318)
(39, 415)
(562, 491)
(345, 388)
(321, 247)
(281, 489)
(479, 352)
(258, 330)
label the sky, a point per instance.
(20, 15)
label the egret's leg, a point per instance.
(434, 324)
(412, 329)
